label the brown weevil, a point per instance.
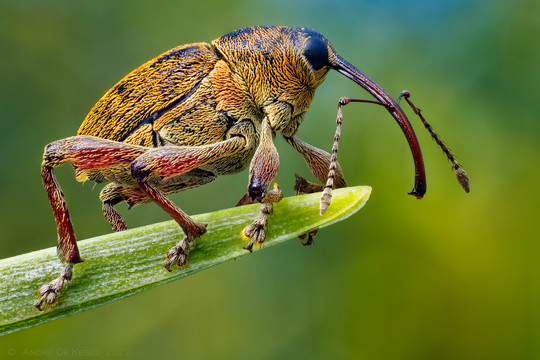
(203, 110)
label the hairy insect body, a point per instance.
(149, 91)
(203, 110)
(213, 92)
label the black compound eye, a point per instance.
(316, 52)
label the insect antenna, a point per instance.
(460, 173)
(326, 197)
(327, 192)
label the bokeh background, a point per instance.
(453, 276)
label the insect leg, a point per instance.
(84, 152)
(170, 161)
(255, 233)
(263, 168)
(303, 186)
(113, 194)
(318, 162)
(264, 164)
(245, 200)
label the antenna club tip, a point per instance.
(326, 199)
(463, 179)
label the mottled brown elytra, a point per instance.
(203, 110)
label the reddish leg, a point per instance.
(264, 164)
(105, 160)
(113, 194)
(85, 153)
(317, 160)
(192, 228)
(172, 161)
(245, 200)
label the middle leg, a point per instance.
(154, 169)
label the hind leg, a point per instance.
(85, 153)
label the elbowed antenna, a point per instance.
(345, 68)
(460, 173)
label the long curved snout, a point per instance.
(345, 68)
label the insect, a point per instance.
(203, 110)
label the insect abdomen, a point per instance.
(148, 92)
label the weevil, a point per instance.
(203, 110)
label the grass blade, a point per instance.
(121, 264)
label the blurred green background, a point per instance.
(453, 276)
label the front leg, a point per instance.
(263, 169)
(255, 233)
(264, 164)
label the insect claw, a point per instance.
(178, 254)
(182, 262)
(249, 247)
(167, 266)
(48, 293)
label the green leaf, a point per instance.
(121, 264)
